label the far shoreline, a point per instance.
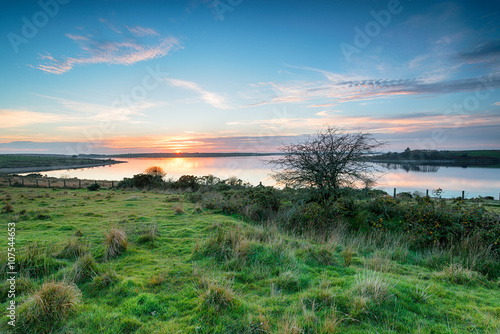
(17, 170)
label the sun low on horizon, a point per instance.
(104, 77)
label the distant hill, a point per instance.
(181, 155)
(490, 158)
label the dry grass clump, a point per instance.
(347, 254)
(7, 208)
(49, 305)
(116, 243)
(157, 280)
(178, 209)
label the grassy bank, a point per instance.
(153, 262)
(10, 163)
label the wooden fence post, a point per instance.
(22, 181)
(79, 184)
(394, 192)
(36, 181)
(463, 194)
(426, 192)
(49, 183)
(64, 183)
(112, 184)
(10, 182)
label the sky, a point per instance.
(97, 77)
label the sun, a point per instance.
(178, 152)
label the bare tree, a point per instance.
(327, 161)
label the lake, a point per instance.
(474, 181)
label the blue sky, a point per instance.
(241, 75)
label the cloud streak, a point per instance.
(123, 51)
(213, 99)
(21, 118)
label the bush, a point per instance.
(116, 243)
(187, 181)
(48, 307)
(94, 187)
(143, 181)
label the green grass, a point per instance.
(199, 272)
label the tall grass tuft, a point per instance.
(457, 274)
(178, 210)
(372, 286)
(7, 208)
(148, 233)
(216, 294)
(48, 307)
(116, 243)
(85, 269)
(72, 249)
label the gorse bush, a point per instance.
(94, 187)
(440, 222)
(143, 181)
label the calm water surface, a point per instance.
(474, 181)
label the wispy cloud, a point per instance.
(208, 97)
(342, 88)
(21, 118)
(121, 50)
(104, 113)
(142, 31)
(405, 123)
(485, 51)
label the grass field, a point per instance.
(185, 269)
(25, 161)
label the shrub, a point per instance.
(94, 187)
(187, 181)
(48, 306)
(142, 181)
(116, 243)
